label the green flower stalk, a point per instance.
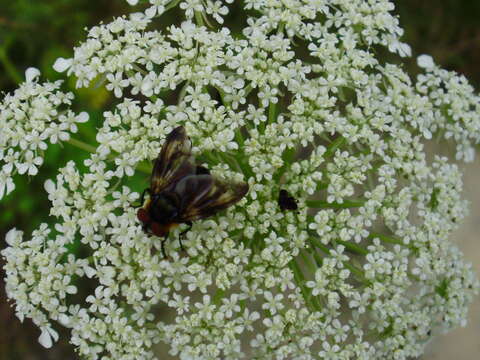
(296, 101)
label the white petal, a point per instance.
(64, 136)
(404, 50)
(427, 134)
(53, 334)
(45, 340)
(62, 64)
(38, 161)
(11, 236)
(31, 74)
(22, 168)
(90, 272)
(82, 117)
(132, 2)
(71, 289)
(64, 319)
(32, 170)
(10, 186)
(49, 186)
(137, 16)
(7, 168)
(425, 61)
(147, 87)
(151, 11)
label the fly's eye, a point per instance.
(143, 216)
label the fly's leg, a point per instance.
(142, 198)
(182, 234)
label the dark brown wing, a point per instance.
(174, 162)
(203, 196)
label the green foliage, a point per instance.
(35, 33)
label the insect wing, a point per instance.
(174, 162)
(203, 196)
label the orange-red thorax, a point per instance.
(158, 229)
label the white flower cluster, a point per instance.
(35, 114)
(364, 269)
(455, 109)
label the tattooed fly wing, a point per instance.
(204, 195)
(174, 162)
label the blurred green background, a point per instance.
(35, 33)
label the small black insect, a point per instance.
(181, 191)
(286, 201)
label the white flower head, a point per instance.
(340, 248)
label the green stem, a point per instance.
(334, 145)
(288, 156)
(199, 18)
(222, 95)
(230, 161)
(318, 204)
(171, 5)
(82, 145)
(218, 296)
(353, 247)
(139, 69)
(300, 280)
(239, 137)
(310, 265)
(236, 163)
(358, 272)
(115, 186)
(319, 245)
(247, 90)
(316, 256)
(272, 112)
(387, 239)
(271, 117)
(322, 185)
